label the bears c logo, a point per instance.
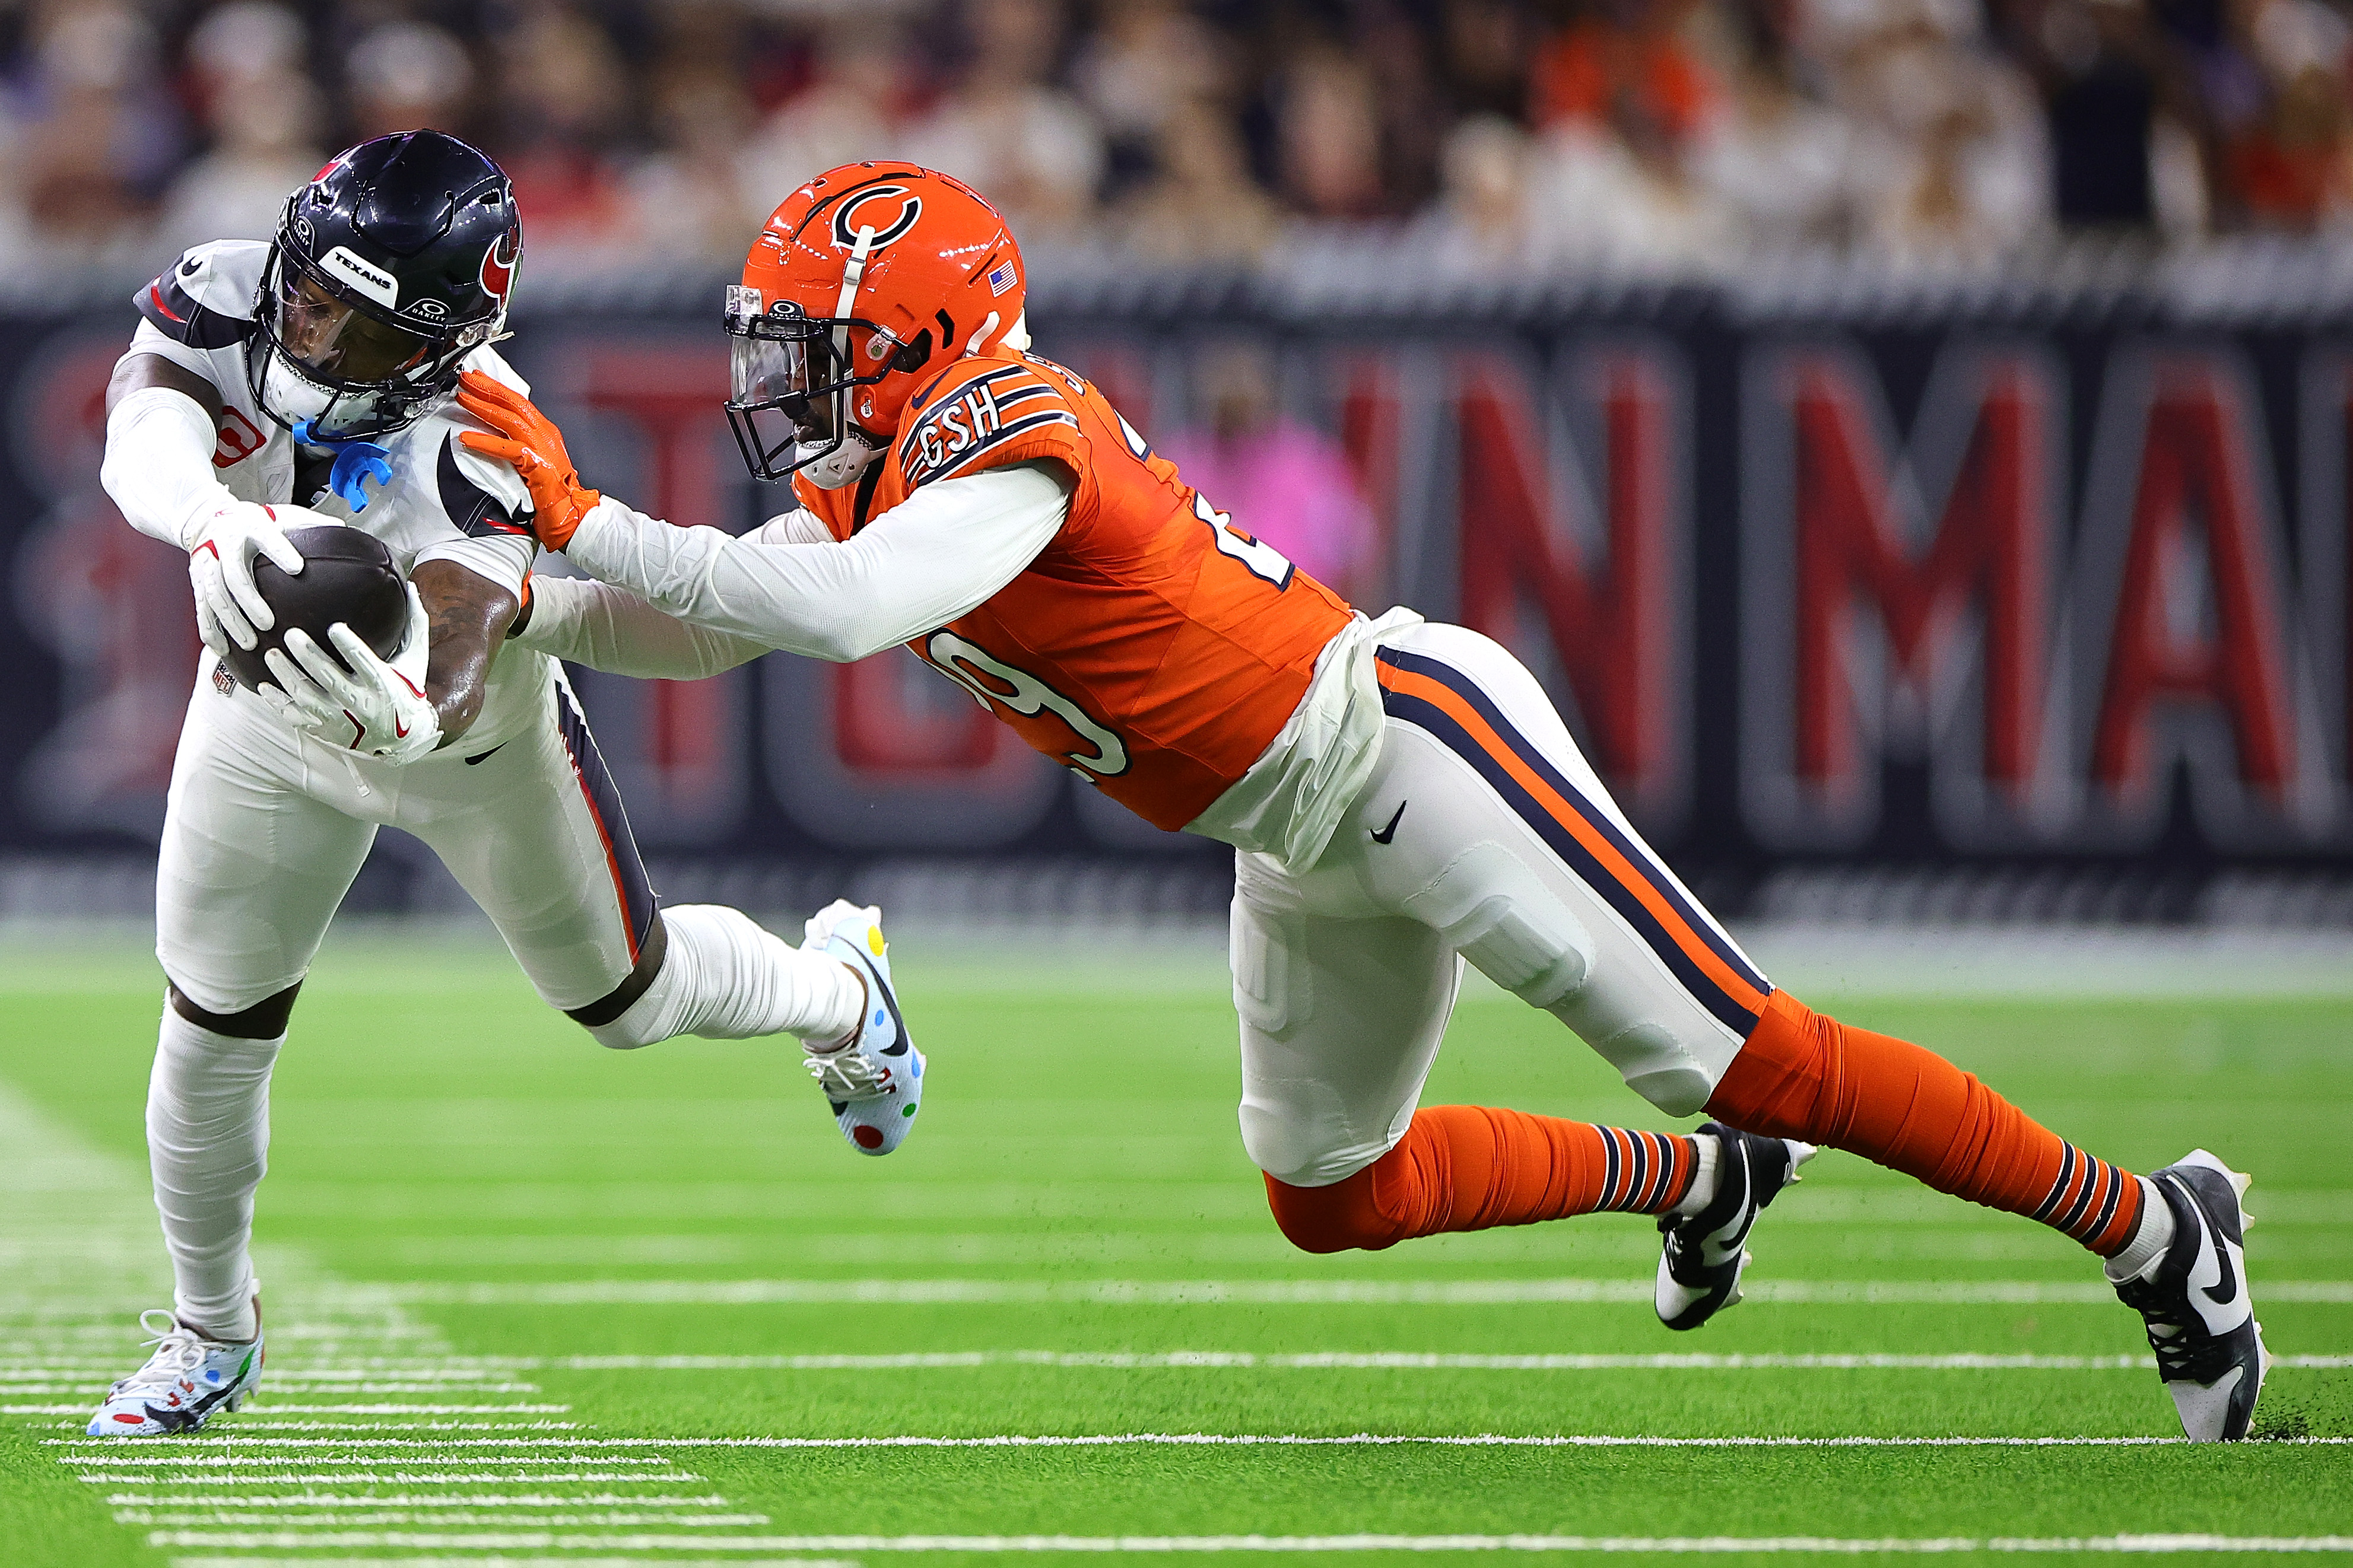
(889, 210)
(498, 269)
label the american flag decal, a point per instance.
(1002, 278)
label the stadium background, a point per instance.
(1909, 435)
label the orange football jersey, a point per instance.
(1151, 648)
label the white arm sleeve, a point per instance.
(159, 464)
(928, 560)
(583, 621)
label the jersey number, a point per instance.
(1257, 558)
(238, 440)
(978, 672)
(1260, 559)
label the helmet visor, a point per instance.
(336, 341)
(769, 373)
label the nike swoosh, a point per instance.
(486, 756)
(2227, 1290)
(1386, 834)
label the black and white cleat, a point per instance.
(2193, 1297)
(1701, 1262)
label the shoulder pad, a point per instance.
(975, 416)
(483, 497)
(206, 299)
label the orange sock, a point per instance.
(1466, 1167)
(1803, 1074)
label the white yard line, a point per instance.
(287, 1451)
(426, 1500)
(505, 1561)
(81, 1407)
(1809, 1544)
(261, 1451)
(252, 1424)
(393, 1477)
(1245, 1292)
(221, 1517)
(1403, 1361)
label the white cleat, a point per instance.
(2194, 1298)
(873, 1080)
(187, 1381)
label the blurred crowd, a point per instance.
(1670, 132)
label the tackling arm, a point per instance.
(930, 559)
(919, 566)
(584, 621)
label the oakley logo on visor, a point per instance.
(889, 210)
(378, 286)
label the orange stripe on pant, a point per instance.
(1805, 1075)
(1634, 879)
(1470, 1167)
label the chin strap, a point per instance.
(355, 462)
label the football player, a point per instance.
(1401, 795)
(315, 372)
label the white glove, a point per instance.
(221, 547)
(375, 709)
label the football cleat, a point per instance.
(2193, 1297)
(1700, 1265)
(873, 1080)
(187, 1380)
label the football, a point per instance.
(347, 576)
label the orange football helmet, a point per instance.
(861, 278)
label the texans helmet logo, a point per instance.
(890, 210)
(498, 268)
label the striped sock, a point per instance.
(1643, 1173)
(1470, 1167)
(2092, 1201)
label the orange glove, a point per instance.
(530, 442)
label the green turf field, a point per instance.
(533, 1302)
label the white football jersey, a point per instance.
(443, 502)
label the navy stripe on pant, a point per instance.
(638, 905)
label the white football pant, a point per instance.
(1483, 835)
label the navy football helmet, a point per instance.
(390, 265)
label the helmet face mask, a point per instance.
(389, 267)
(338, 370)
(790, 380)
